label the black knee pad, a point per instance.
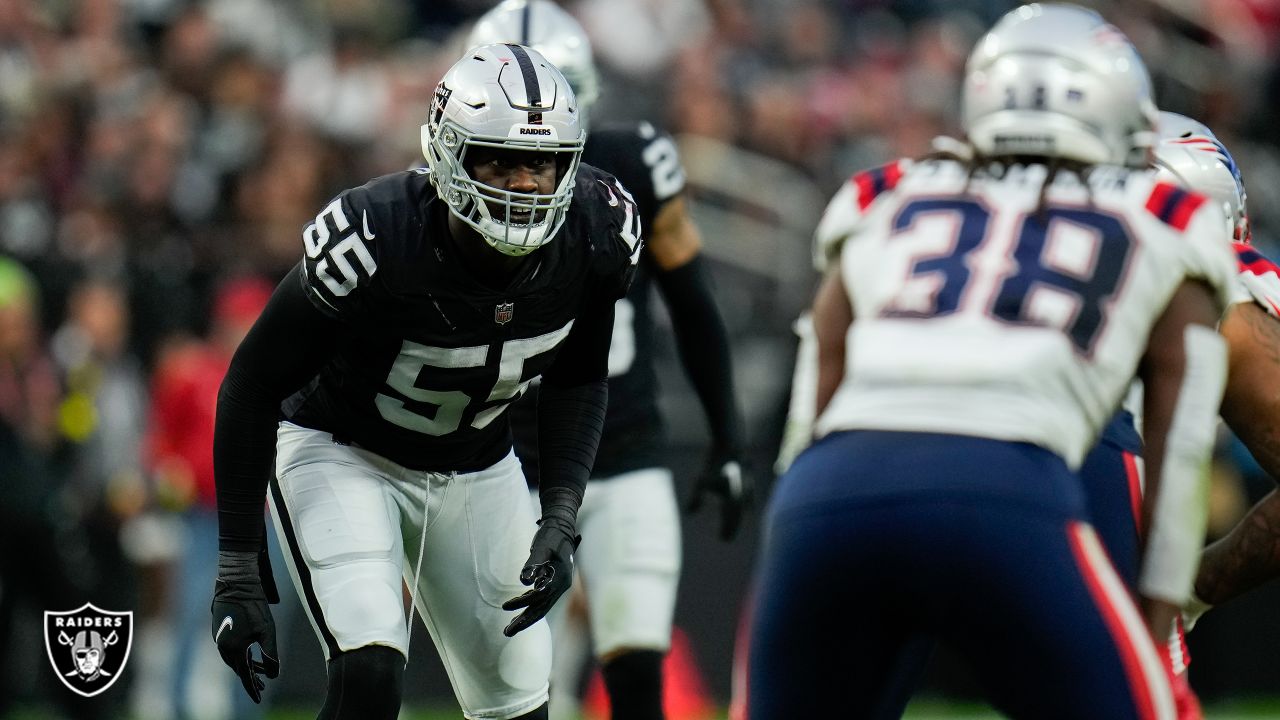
(634, 682)
(364, 684)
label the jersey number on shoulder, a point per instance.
(665, 170)
(316, 239)
(1063, 269)
(440, 412)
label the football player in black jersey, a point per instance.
(378, 376)
(630, 559)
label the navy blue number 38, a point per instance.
(1010, 302)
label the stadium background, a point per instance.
(161, 148)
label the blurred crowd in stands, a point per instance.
(158, 159)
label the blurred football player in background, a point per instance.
(982, 316)
(631, 554)
(1191, 154)
(426, 302)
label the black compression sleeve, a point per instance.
(703, 343)
(286, 347)
(571, 408)
(570, 422)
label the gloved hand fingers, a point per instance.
(521, 601)
(539, 576)
(270, 665)
(516, 625)
(527, 618)
(248, 678)
(232, 656)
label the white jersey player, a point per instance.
(1056, 279)
(982, 319)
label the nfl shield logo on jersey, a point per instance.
(502, 312)
(88, 647)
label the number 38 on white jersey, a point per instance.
(977, 311)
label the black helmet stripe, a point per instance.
(526, 18)
(531, 89)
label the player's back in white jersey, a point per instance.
(985, 306)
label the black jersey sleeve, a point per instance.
(341, 259)
(703, 344)
(614, 229)
(571, 412)
(284, 349)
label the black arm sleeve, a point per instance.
(286, 347)
(703, 343)
(571, 409)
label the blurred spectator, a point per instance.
(343, 93)
(43, 563)
(29, 388)
(180, 449)
(101, 418)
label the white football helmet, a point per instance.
(510, 97)
(549, 29)
(1192, 156)
(1056, 80)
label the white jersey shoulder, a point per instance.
(848, 206)
(980, 310)
(1258, 280)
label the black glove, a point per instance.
(241, 618)
(722, 476)
(549, 570)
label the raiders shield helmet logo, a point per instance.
(502, 312)
(88, 647)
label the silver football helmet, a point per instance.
(552, 31)
(509, 97)
(1191, 155)
(1056, 80)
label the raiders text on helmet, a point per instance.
(1056, 80)
(508, 97)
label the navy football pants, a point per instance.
(875, 538)
(1113, 493)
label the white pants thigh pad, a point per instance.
(629, 560)
(355, 520)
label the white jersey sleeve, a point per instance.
(1208, 255)
(1258, 279)
(849, 205)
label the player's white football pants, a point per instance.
(352, 522)
(629, 561)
